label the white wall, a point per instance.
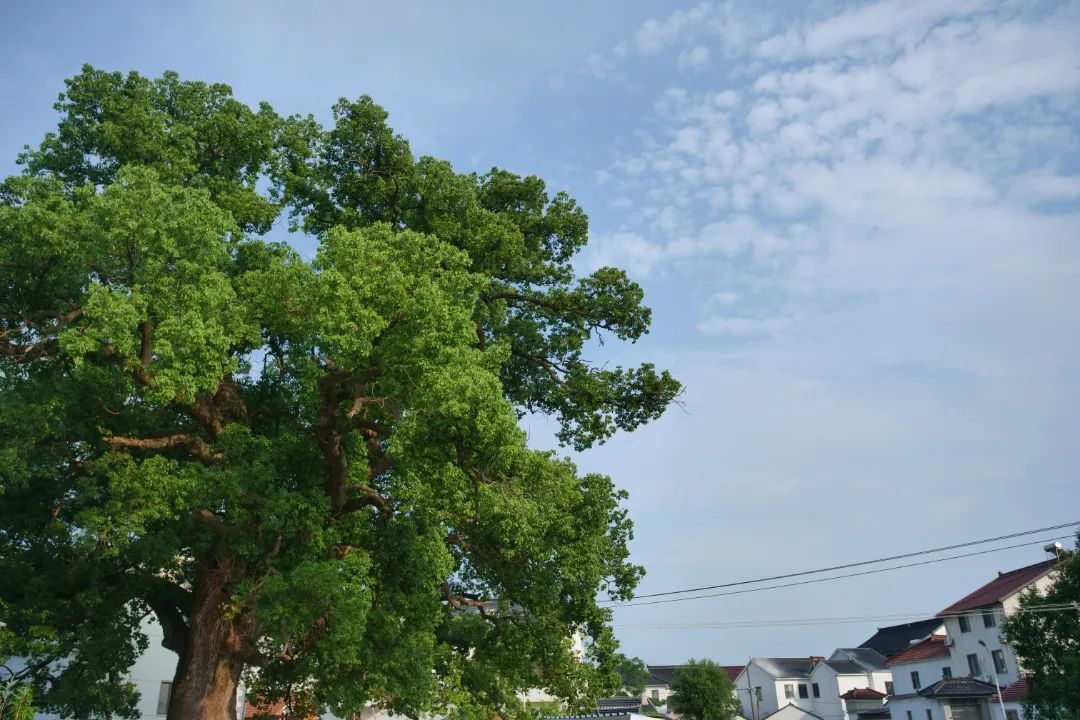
(769, 703)
(917, 706)
(829, 706)
(968, 643)
(663, 692)
(930, 671)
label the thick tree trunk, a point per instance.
(208, 673)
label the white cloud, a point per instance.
(695, 58)
(655, 34)
(875, 215)
(723, 297)
(624, 249)
(722, 325)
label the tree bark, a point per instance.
(208, 673)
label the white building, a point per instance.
(928, 685)
(920, 666)
(973, 625)
(767, 684)
(849, 681)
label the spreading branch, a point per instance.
(194, 444)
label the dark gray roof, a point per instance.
(796, 708)
(891, 640)
(787, 667)
(958, 687)
(882, 714)
(662, 674)
(869, 659)
(846, 667)
(622, 704)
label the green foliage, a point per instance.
(634, 674)
(702, 691)
(308, 471)
(1048, 643)
(16, 701)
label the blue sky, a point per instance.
(858, 225)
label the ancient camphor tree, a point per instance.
(308, 471)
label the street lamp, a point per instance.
(993, 668)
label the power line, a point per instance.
(1035, 609)
(861, 562)
(838, 577)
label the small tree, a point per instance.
(634, 674)
(1048, 643)
(702, 691)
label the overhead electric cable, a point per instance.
(737, 624)
(835, 577)
(860, 563)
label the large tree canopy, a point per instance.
(307, 471)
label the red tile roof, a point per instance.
(733, 671)
(863, 694)
(1002, 586)
(926, 649)
(1015, 692)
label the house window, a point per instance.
(965, 624)
(817, 690)
(929, 715)
(888, 687)
(655, 695)
(789, 691)
(989, 619)
(163, 698)
(908, 715)
(802, 691)
(973, 665)
(999, 662)
(1012, 715)
(915, 682)
(757, 692)
(946, 672)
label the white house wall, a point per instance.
(757, 678)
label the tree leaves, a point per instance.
(1048, 642)
(314, 466)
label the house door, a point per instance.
(966, 710)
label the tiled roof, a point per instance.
(623, 704)
(1002, 586)
(882, 714)
(958, 687)
(787, 667)
(845, 667)
(928, 649)
(893, 639)
(863, 694)
(868, 659)
(792, 708)
(662, 674)
(1015, 692)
